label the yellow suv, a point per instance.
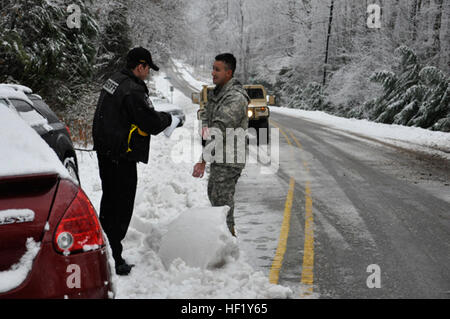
(258, 108)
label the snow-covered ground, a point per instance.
(413, 138)
(166, 189)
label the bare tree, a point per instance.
(328, 43)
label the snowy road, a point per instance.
(372, 204)
(341, 203)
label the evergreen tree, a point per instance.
(115, 41)
(413, 96)
(38, 49)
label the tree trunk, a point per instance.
(242, 47)
(328, 42)
(292, 29)
(413, 20)
(436, 46)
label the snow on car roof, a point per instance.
(10, 91)
(23, 151)
(18, 87)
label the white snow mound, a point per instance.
(200, 237)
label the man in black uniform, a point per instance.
(123, 122)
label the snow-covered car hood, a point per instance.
(23, 151)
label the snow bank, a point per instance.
(200, 237)
(13, 278)
(414, 138)
(23, 150)
(11, 216)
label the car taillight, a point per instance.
(79, 228)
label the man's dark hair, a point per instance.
(133, 64)
(229, 60)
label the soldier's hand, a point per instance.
(199, 170)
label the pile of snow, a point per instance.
(14, 277)
(415, 138)
(200, 237)
(23, 150)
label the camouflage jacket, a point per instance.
(227, 109)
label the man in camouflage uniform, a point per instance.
(225, 112)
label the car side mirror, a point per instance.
(271, 100)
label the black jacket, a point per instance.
(124, 102)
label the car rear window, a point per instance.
(44, 109)
(21, 106)
(255, 93)
(28, 113)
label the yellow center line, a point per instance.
(308, 250)
(282, 241)
(282, 132)
(295, 140)
(285, 226)
(305, 164)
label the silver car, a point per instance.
(163, 105)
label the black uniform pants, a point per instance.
(119, 181)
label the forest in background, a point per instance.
(67, 66)
(316, 55)
(321, 55)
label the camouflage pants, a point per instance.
(221, 187)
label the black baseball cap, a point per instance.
(141, 55)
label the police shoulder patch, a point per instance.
(110, 86)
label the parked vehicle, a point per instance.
(257, 111)
(51, 241)
(33, 109)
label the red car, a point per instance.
(51, 242)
